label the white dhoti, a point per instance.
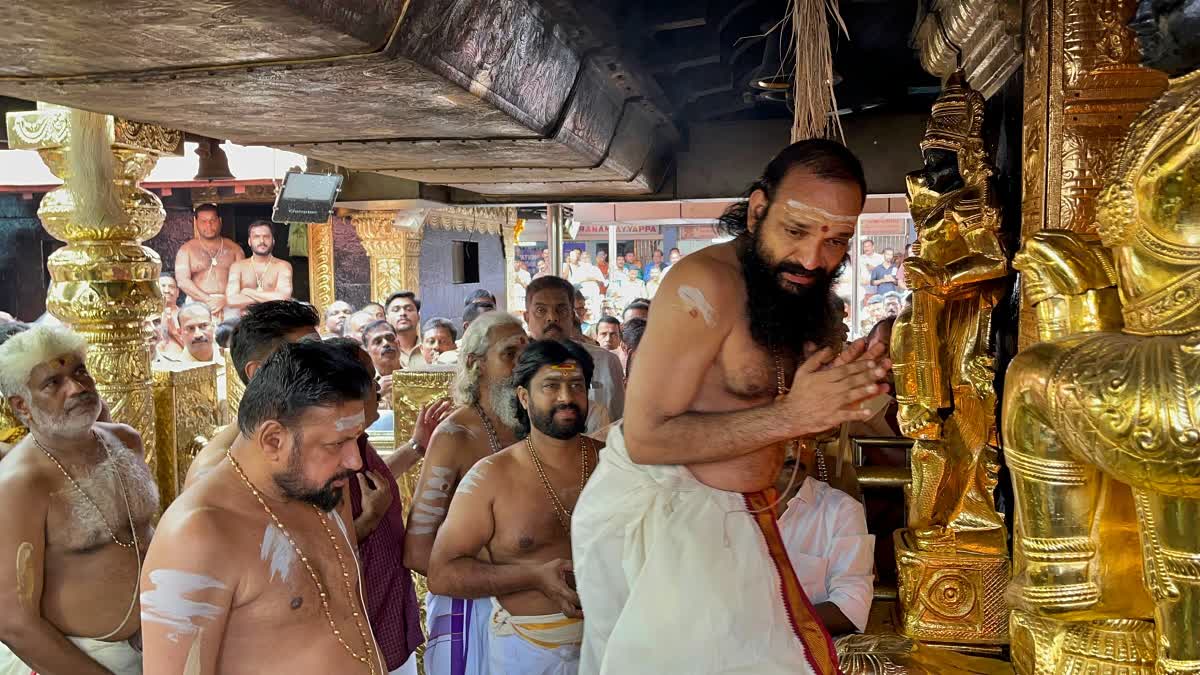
(533, 645)
(458, 635)
(118, 657)
(677, 577)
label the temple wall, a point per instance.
(439, 295)
(24, 247)
(351, 269)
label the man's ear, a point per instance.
(252, 368)
(273, 438)
(523, 397)
(756, 209)
(19, 406)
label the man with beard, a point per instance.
(500, 541)
(404, 313)
(551, 317)
(253, 568)
(264, 328)
(262, 276)
(335, 319)
(711, 417)
(76, 505)
(476, 430)
(202, 264)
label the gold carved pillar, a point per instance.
(1083, 88)
(395, 252)
(104, 282)
(321, 289)
(185, 405)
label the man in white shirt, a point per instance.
(868, 260)
(825, 532)
(550, 316)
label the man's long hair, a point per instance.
(476, 342)
(820, 157)
(537, 355)
(780, 318)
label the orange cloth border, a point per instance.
(818, 645)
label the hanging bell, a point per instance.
(214, 165)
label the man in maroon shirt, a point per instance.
(379, 522)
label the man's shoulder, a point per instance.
(833, 501)
(23, 472)
(203, 510)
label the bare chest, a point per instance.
(114, 499)
(744, 374)
(528, 526)
(304, 576)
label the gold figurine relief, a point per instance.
(952, 559)
(1102, 420)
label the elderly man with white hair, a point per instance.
(76, 503)
(457, 628)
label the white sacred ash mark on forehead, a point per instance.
(800, 209)
(277, 552)
(694, 301)
(350, 422)
(166, 603)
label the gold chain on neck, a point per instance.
(79, 488)
(563, 513)
(493, 439)
(369, 657)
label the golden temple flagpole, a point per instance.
(104, 282)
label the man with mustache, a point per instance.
(262, 276)
(335, 319)
(76, 505)
(728, 375)
(254, 568)
(379, 339)
(475, 431)
(403, 311)
(551, 315)
(202, 264)
(507, 535)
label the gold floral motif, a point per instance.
(898, 655)
(320, 266)
(471, 219)
(395, 253)
(234, 387)
(151, 137)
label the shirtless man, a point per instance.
(262, 276)
(76, 503)
(507, 534)
(476, 430)
(254, 568)
(711, 417)
(202, 264)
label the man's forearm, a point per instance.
(833, 618)
(403, 459)
(192, 290)
(697, 437)
(44, 649)
(472, 578)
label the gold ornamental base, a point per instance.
(1047, 646)
(952, 597)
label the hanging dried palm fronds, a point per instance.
(92, 170)
(815, 113)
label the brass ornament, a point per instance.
(321, 280)
(395, 253)
(104, 282)
(898, 655)
(1102, 420)
(185, 410)
(952, 559)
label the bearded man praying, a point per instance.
(507, 535)
(680, 563)
(76, 503)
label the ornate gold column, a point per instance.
(104, 282)
(395, 252)
(321, 291)
(1083, 88)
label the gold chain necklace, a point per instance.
(493, 439)
(79, 488)
(258, 276)
(563, 513)
(369, 658)
(781, 389)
